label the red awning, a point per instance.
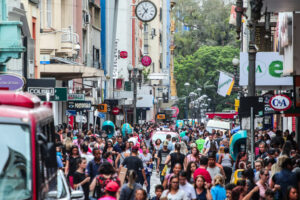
(221, 115)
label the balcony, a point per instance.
(63, 43)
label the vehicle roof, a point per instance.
(218, 124)
(39, 113)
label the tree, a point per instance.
(201, 69)
(207, 22)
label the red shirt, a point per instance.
(204, 173)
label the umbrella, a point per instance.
(126, 129)
(109, 127)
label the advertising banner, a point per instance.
(269, 70)
(225, 84)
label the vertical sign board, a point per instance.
(297, 91)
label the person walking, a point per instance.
(218, 191)
(226, 161)
(128, 190)
(146, 158)
(161, 159)
(202, 189)
(133, 162)
(80, 178)
(71, 164)
(106, 175)
(176, 157)
(173, 192)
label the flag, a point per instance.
(225, 85)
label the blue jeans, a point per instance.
(148, 177)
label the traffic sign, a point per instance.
(115, 111)
(76, 97)
(70, 112)
(60, 94)
(79, 105)
(101, 115)
(102, 108)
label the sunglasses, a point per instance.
(176, 182)
(267, 174)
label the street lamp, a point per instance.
(235, 63)
(135, 76)
(186, 113)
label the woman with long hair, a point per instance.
(175, 157)
(191, 168)
(292, 193)
(71, 163)
(128, 189)
(80, 179)
(177, 168)
(218, 191)
(194, 156)
(202, 189)
(226, 161)
(173, 191)
(106, 174)
(121, 156)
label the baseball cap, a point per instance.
(165, 143)
(112, 186)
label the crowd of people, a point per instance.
(196, 165)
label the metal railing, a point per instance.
(69, 36)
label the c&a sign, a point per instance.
(280, 102)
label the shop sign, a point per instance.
(76, 97)
(161, 116)
(11, 82)
(268, 72)
(79, 105)
(280, 102)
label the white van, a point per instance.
(218, 125)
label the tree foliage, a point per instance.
(201, 70)
(207, 22)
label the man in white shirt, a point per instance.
(186, 187)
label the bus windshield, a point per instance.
(15, 162)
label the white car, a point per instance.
(64, 191)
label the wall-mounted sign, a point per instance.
(280, 102)
(11, 82)
(44, 59)
(79, 105)
(161, 116)
(297, 90)
(115, 111)
(41, 91)
(146, 61)
(268, 72)
(123, 54)
(76, 97)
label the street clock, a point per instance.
(146, 11)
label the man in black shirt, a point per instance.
(133, 162)
(161, 159)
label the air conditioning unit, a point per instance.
(87, 18)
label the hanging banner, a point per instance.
(225, 85)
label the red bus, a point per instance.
(28, 163)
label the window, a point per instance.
(96, 57)
(15, 163)
(49, 13)
(97, 17)
(146, 49)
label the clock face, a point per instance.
(146, 11)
